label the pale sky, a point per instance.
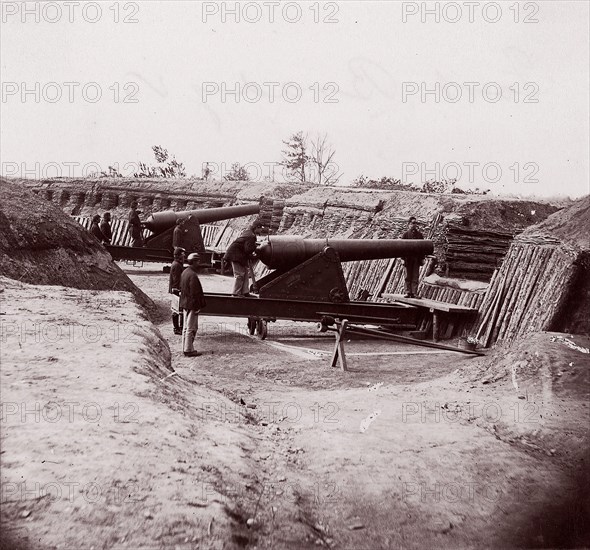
(534, 139)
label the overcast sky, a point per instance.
(521, 126)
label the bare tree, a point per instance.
(326, 171)
(311, 161)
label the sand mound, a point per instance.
(40, 244)
(549, 363)
(570, 225)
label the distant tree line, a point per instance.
(305, 160)
(445, 186)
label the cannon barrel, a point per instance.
(286, 252)
(160, 221)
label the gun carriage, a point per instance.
(158, 246)
(307, 284)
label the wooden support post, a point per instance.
(435, 325)
(339, 355)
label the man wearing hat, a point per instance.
(192, 300)
(239, 253)
(105, 227)
(176, 270)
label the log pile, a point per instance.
(473, 254)
(529, 290)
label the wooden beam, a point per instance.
(429, 304)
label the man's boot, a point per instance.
(175, 324)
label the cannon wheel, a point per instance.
(262, 328)
(251, 326)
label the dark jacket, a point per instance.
(191, 291)
(241, 249)
(409, 234)
(105, 227)
(134, 224)
(177, 236)
(176, 270)
(95, 230)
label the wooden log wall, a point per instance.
(388, 275)
(528, 291)
(473, 254)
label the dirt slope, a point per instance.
(571, 225)
(40, 244)
(103, 445)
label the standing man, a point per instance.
(239, 254)
(95, 229)
(105, 227)
(412, 263)
(174, 288)
(135, 226)
(178, 233)
(192, 300)
(206, 172)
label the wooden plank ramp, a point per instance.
(429, 304)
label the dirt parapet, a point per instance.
(40, 244)
(87, 196)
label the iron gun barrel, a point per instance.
(285, 252)
(161, 221)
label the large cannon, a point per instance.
(285, 252)
(310, 268)
(158, 246)
(308, 283)
(159, 222)
(162, 224)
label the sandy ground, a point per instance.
(260, 444)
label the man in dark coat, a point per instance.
(135, 226)
(105, 227)
(176, 270)
(95, 229)
(192, 300)
(412, 263)
(239, 253)
(178, 233)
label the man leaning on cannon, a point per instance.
(239, 253)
